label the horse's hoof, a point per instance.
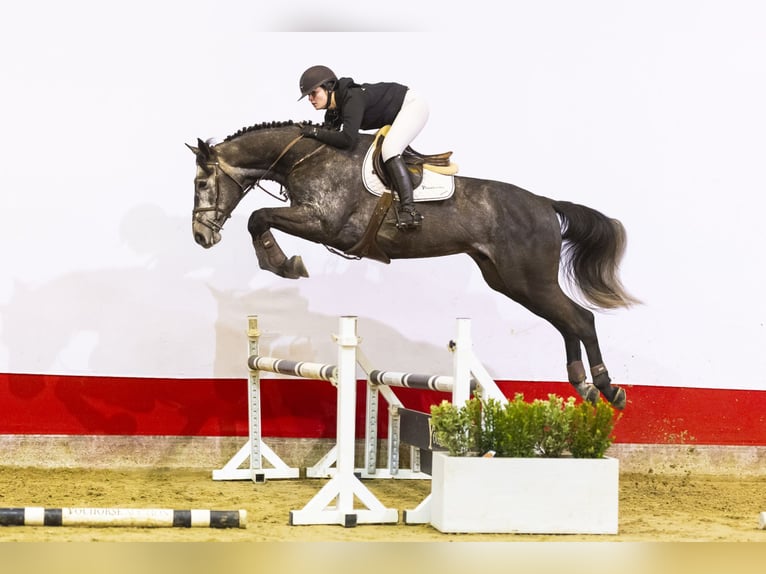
(619, 399)
(587, 391)
(294, 268)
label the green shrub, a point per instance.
(516, 428)
(453, 428)
(490, 426)
(554, 425)
(518, 434)
(591, 432)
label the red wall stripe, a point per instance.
(75, 405)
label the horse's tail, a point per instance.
(591, 253)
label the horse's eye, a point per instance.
(201, 184)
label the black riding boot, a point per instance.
(408, 218)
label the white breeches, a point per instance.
(406, 125)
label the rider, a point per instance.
(351, 107)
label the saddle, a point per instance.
(367, 246)
(415, 161)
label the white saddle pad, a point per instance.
(434, 187)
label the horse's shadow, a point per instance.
(151, 319)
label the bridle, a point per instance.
(221, 215)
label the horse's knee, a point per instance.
(256, 224)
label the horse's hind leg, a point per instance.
(575, 369)
(575, 323)
(577, 378)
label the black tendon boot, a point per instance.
(408, 218)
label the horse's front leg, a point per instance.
(296, 221)
(272, 258)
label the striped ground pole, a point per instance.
(138, 517)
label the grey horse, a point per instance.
(518, 239)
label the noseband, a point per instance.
(220, 215)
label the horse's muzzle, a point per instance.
(205, 236)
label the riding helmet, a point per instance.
(314, 77)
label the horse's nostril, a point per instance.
(199, 238)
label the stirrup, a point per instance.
(412, 219)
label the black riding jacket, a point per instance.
(360, 106)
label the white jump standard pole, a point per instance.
(255, 450)
(461, 390)
(345, 485)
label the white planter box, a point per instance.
(524, 495)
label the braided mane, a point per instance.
(265, 125)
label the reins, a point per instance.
(288, 147)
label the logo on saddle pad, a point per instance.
(434, 186)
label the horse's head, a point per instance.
(217, 191)
(227, 171)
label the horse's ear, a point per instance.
(204, 150)
(194, 149)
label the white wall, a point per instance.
(651, 112)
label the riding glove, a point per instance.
(309, 131)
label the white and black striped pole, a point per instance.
(138, 517)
